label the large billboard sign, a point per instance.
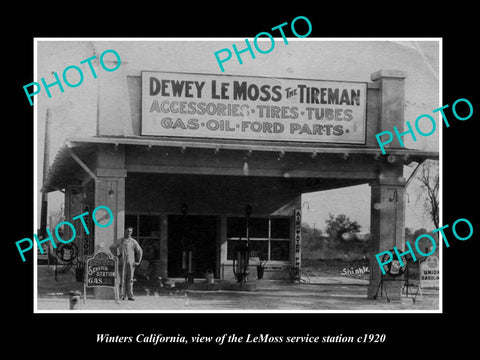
(253, 108)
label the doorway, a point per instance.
(196, 232)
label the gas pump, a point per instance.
(187, 249)
(240, 261)
(242, 252)
(187, 265)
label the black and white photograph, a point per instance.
(213, 175)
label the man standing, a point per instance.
(130, 255)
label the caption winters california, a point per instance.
(155, 339)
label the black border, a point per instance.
(425, 334)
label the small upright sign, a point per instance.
(101, 270)
(430, 273)
(298, 237)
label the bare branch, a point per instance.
(430, 183)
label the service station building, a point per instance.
(180, 156)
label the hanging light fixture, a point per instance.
(245, 170)
(111, 192)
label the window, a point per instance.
(236, 228)
(258, 228)
(258, 248)
(146, 230)
(279, 250)
(280, 228)
(269, 237)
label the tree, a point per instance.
(340, 225)
(424, 244)
(408, 234)
(430, 181)
(342, 241)
(312, 242)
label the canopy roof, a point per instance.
(72, 156)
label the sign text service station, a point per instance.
(254, 108)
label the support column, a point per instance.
(388, 191)
(387, 230)
(110, 192)
(162, 270)
(391, 102)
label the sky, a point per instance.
(354, 202)
(74, 111)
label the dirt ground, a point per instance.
(327, 290)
